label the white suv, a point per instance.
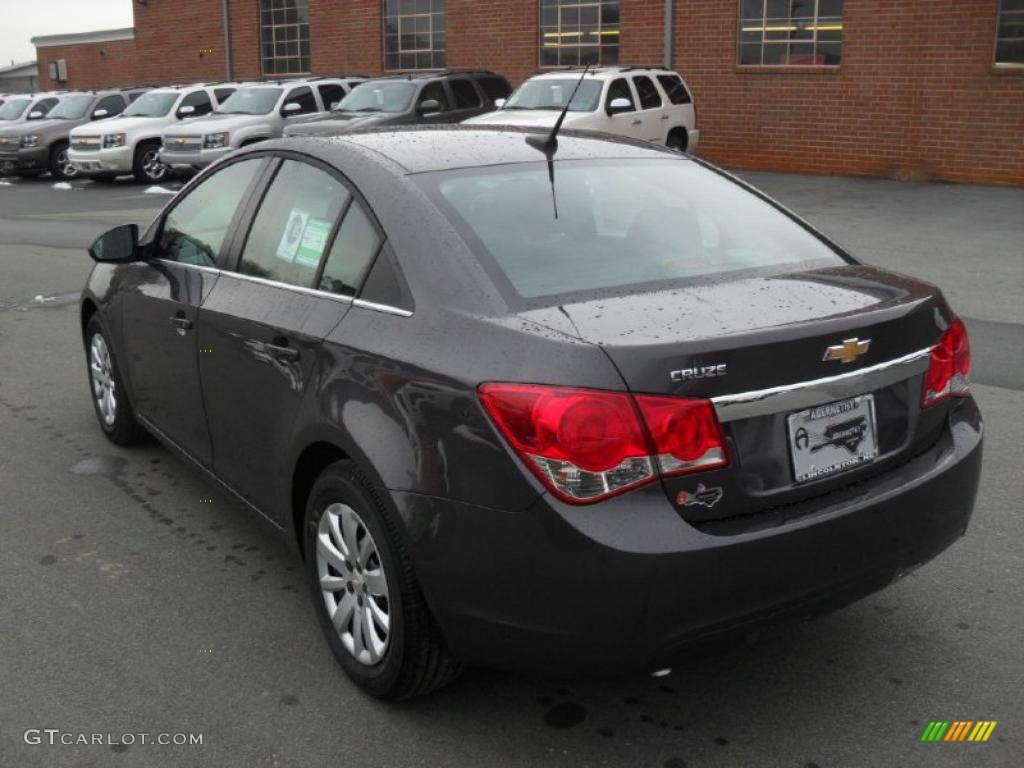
(130, 143)
(257, 112)
(646, 103)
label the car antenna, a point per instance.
(549, 144)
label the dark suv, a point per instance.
(431, 97)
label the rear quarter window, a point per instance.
(675, 89)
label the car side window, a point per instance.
(619, 89)
(465, 94)
(352, 252)
(292, 227)
(197, 226)
(647, 91)
(331, 93)
(436, 92)
(494, 86)
(43, 105)
(304, 98)
(222, 94)
(674, 89)
(113, 104)
(200, 100)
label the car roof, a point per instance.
(425, 148)
(604, 72)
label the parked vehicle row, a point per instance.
(188, 127)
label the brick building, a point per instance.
(902, 88)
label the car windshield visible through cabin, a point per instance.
(552, 93)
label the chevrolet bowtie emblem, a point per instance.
(848, 351)
(179, 141)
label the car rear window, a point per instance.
(674, 89)
(620, 223)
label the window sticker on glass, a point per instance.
(292, 237)
(314, 241)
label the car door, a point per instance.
(466, 100)
(627, 121)
(161, 297)
(262, 325)
(305, 98)
(652, 112)
(434, 91)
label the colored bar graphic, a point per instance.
(958, 730)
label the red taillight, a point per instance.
(949, 366)
(586, 445)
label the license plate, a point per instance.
(830, 438)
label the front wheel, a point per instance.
(365, 593)
(147, 166)
(60, 166)
(108, 396)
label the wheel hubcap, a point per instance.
(66, 168)
(152, 166)
(102, 374)
(353, 584)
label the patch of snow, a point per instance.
(62, 185)
(158, 190)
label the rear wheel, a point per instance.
(60, 165)
(147, 166)
(677, 140)
(108, 396)
(365, 593)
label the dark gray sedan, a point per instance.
(562, 411)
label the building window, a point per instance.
(284, 34)
(1010, 37)
(578, 32)
(791, 32)
(414, 34)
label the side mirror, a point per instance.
(290, 108)
(499, 103)
(428, 107)
(118, 246)
(185, 111)
(334, 104)
(619, 105)
(99, 113)
(35, 114)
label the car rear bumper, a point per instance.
(693, 140)
(199, 158)
(627, 584)
(114, 160)
(25, 159)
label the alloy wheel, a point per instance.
(65, 166)
(152, 167)
(353, 583)
(101, 371)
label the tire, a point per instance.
(60, 167)
(411, 658)
(114, 414)
(146, 166)
(677, 140)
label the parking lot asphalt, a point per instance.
(129, 604)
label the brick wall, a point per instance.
(916, 95)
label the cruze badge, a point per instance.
(706, 497)
(848, 351)
(698, 372)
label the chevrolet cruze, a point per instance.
(562, 411)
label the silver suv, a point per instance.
(14, 113)
(255, 112)
(131, 143)
(34, 147)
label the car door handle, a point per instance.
(183, 324)
(638, 122)
(664, 117)
(283, 352)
